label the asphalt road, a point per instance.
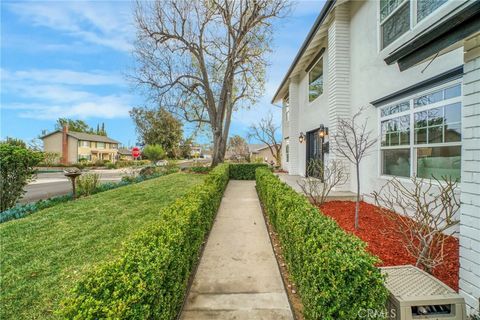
(52, 184)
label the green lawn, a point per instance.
(43, 255)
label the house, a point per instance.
(76, 146)
(415, 66)
(125, 154)
(195, 151)
(263, 152)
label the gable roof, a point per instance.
(84, 136)
(311, 34)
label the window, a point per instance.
(396, 16)
(315, 81)
(425, 7)
(100, 145)
(422, 135)
(286, 105)
(287, 150)
(83, 143)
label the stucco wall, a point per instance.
(53, 143)
(369, 78)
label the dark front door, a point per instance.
(314, 152)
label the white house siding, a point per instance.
(339, 103)
(372, 78)
(353, 52)
(470, 196)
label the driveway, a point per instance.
(52, 184)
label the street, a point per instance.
(52, 184)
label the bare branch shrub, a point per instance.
(426, 214)
(333, 174)
(353, 142)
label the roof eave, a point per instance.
(318, 22)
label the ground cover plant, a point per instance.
(336, 277)
(45, 254)
(381, 235)
(149, 277)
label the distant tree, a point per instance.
(73, 125)
(353, 141)
(16, 142)
(158, 126)
(186, 148)
(98, 129)
(238, 147)
(265, 131)
(153, 152)
(35, 144)
(16, 170)
(205, 59)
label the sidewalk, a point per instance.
(238, 276)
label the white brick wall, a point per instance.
(470, 197)
(339, 75)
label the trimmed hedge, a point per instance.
(245, 171)
(149, 279)
(335, 275)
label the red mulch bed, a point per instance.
(380, 234)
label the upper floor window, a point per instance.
(83, 143)
(286, 105)
(422, 136)
(100, 145)
(399, 16)
(315, 81)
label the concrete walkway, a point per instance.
(238, 276)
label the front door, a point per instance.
(314, 152)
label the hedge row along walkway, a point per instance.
(238, 277)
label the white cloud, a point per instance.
(65, 77)
(107, 24)
(54, 93)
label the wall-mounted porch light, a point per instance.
(301, 138)
(322, 131)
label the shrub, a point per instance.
(111, 166)
(149, 278)
(335, 275)
(87, 183)
(154, 152)
(245, 171)
(16, 170)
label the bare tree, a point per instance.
(204, 59)
(238, 148)
(265, 131)
(427, 213)
(353, 141)
(333, 174)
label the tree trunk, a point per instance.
(357, 204)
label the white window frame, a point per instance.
(286, 105)
(287, 150)
(411, 112)
(442, 9)
(320, 59)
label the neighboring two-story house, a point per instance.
(415, 68)
(76, 146)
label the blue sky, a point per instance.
(69, 59)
